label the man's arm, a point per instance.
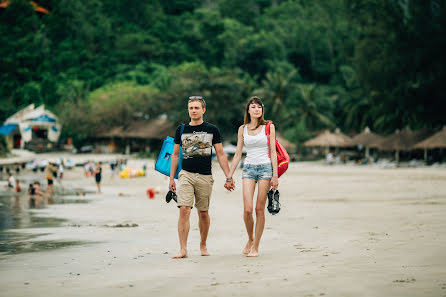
(174, 167)
(221, 156)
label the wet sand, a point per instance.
(342, 231)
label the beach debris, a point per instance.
(150, 193)
(122, 225)
(408, 280)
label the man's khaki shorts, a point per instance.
(194, 184)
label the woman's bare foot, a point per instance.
(180, 255)
(204, 250)
(253, 253)
(247, 247)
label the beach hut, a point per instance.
(153, 129)
(438, 140)
(136, 134)
(368, 139)
(403, 140)
(32, 128)
(327, 139)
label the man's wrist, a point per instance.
(229, 179)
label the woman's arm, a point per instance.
(238, 152)
(273, 154)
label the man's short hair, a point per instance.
(198, 98)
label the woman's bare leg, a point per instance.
(249, 186)
(262, 192)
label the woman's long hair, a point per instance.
(258, 101)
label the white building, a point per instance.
(34, 128)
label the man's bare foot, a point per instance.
(204, 250)
(247, 247)
(181, 254)
(253, 253)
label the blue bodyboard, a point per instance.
(163, 161)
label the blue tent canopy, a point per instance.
(43, 118)
(6, 129)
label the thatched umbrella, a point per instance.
(401, 141)
(438, 140)
(367, 139)
(327, 139)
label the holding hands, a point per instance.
(229, 184)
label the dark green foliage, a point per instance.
(317, 64)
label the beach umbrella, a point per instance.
(402, 140)
(327, 139)
(438, 140)
(367, 139)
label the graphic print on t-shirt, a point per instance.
(196, 144)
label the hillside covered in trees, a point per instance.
(316, 63)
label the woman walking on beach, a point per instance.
(258, 169)
(98, 176)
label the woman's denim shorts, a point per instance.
(257, 172)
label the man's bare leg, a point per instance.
(248, 193)
(183, 231)
(262, 190)
(204, 222)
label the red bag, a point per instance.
(282, 156)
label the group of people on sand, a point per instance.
(36, 195)
(195, 180)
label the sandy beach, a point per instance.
(342, 231)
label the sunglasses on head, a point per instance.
(196, 98)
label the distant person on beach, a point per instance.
(50, 174)
(86, 168)
(11, 181)
(35, 194)
(17, 189)
(60, 170)
(195, 179)
(258, 168)
(98, 176)
(113, 167)
(330, 158)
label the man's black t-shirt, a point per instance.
(196, 143)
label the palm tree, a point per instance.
(308, 109)
(276, 87)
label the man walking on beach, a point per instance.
(195, 179)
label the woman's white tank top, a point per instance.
(256, 147)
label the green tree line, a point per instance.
(316, 63)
